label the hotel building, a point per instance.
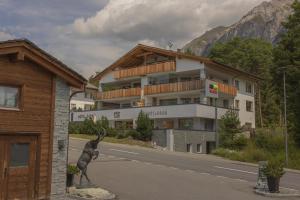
(183, 95)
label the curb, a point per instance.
(256, 165)
(278, 195)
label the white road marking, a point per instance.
(173, 168)
(204, 173)
(190, 171)
(237, 170)
(222, 177)
(240, 180)
(130, 152)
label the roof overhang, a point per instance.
(23, 49)
(137, 50)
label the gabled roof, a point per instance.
(25, 49)
(140, 48)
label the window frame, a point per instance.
(20, 88)
(251, 108)
(251, 87)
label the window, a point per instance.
(88, 107)
(166, 102)
(225, 81)
(248, 87)
(73, 106)
(189, 148)
(184, 79)
(237, 84)
(225, 103)
(186, 124)
(249, 106)
(124, 124)
(199, 148)
(209, 124)
(237, 104)
(186, 100)
(197, 100)
(19, 154)
(9, 97)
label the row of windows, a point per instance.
(248, 88)
(249, 105)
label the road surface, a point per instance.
(136, 173)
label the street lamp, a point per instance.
(285, 122)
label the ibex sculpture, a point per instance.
(89, 153)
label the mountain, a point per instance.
(263, 21)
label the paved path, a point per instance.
(136, 173)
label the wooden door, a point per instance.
(19, 166)
(2, 167)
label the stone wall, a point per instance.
(61, 121)
(159, 138)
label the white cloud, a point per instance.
(160, 21)
(5, 36)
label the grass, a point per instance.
(128, 141)
(253, 154)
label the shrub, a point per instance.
(239, 142)
(133, 133)
(229, 128)
(144, 127)
(111, 132)
(72, 169)
(74, 127)
(274, 168)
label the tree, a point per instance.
(229, 131)
(144, 127)
(254, 56)
(287, 59)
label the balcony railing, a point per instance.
(130, 92)
(146, 69)
(174, 87)
(227, 89)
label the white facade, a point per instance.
(187, 108)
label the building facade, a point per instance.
(177, 91)
(34, 116)
(84, 100)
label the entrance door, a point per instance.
(17, 164)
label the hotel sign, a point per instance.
(211, 89)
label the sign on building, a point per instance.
(211, 89)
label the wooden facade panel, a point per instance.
(35, 114)
(168, 66)
(174, 87)
(130, 92)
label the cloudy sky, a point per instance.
(88, 35)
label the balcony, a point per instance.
(120, 93)
(227, 89)
(146, 69)
(174, 87)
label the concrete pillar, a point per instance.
(170, 139)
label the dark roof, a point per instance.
(27, 43)
(173, 54)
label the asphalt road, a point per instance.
(135, 173)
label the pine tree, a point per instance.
(254, 56)
(287, 59)
(144, 126)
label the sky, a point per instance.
(89, 35)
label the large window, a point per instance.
(185, 124)
(166, 102)
(9, 97)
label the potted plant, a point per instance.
(71, 171)
(274, 171)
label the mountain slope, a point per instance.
(263, 21)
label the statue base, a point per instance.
(95, 193)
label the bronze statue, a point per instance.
(89, 152)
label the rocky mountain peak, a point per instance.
(263, 21)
